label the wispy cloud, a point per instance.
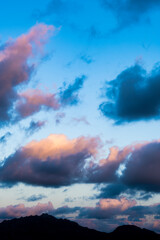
(59, 116)
(34, 197)
(34, 127)
(81, 120)
(5, 137)
(130, 11)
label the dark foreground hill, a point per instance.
(48, 227)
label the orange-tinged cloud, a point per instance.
(54, 161)
(122, 203)
(58, 146)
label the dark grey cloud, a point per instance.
(35, 197)
(133, 95)
(142, 168)
(129, 12)
(112, 190)
(134, 168)
(140, 211)
(65, 210)
(115, 190)
(69, 94)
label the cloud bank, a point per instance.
(58, 161)
(55, 161)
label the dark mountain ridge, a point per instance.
(48, 227)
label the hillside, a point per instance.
(48, 227)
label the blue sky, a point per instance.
(79, 104)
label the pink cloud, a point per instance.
(21, 211)
(122, 203)
(107, 208)
(15, 67)
(33, 100)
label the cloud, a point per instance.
(33, 100)
(112, 190)
(58, 161)
(17, 65)
(14, 211)
(115, 190)
(34, 127)
(129, 11)
(34, 198)
(133, 95)
(110, 213)
(141, 169)
(135, 167)
(87, 59)
(105, 170)
(81, 120)
(59, 116)
(105, 216)
(61, 10)
(69, 95)
(107, 208)
(5, 137)
(65, 210)
(20, 210)
(55, 161)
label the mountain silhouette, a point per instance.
(50, 228)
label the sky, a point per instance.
(80, 111)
